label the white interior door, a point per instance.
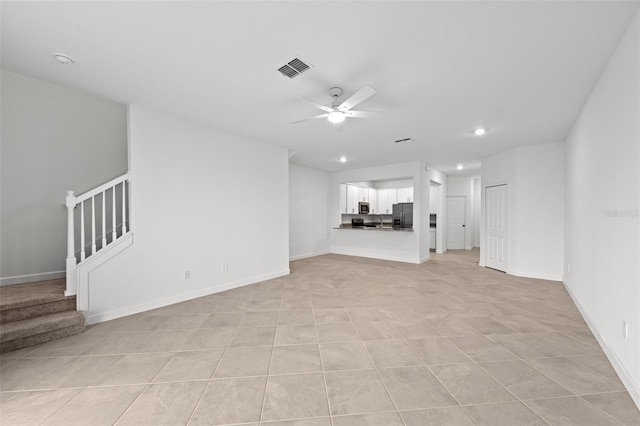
(496, 227)
(456, 225)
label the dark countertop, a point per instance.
(385, 228)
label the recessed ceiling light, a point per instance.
(63, 59)
(459, 167)
(343, 159)
(480, 131)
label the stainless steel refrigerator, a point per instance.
(403, 215)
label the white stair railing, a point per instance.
(112, 200)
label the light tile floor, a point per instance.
(341, 341)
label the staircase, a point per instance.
(36, 313)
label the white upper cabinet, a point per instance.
(405, 195)
(381, 200)
(373, 201)
(353, 194)
(386, 200)
(343, 198)
(363, 194)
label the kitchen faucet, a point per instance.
(380, 220)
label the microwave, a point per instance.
(363, 207)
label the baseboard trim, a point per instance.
(376, 256)
(424, 259)
(31, 278)
(307, 255)
(627, 380)
(160, 303)
(535, 275)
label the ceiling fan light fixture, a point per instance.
(343, 159)
(480, 131)
(336, 117)
(460, 167)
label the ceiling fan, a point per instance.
(339, 111)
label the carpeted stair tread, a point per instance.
(37, 339)
(26, 312)
(39, 325)
(30, 294)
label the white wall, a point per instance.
(411, 247)
(540, 211)
(199, 198)
(438, 188)
(535, 192)
(603, 191)
(309, 199)
(54, 139)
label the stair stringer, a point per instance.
(85, 269)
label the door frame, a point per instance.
(483, 226)
(464, 218)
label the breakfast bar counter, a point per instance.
(383, 228)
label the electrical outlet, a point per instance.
(187, 273)
(568, 267)
(225, 267)
(625, 330)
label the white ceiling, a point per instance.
(523, 69)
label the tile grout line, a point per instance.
(273, 345)
(156, 375)
(472, 361)
(574, 395)
(394, 293)
(492, 377)
(431, 371)
(81, 389)
(514, 395)
(376, 367)
(146, 386)
(518, 358)
(195, 406)
(324, 376)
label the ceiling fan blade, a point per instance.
(361, 114)
(310, 118)
(317, 105)
(365, 93)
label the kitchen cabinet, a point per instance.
(353, 194)
(363, 194)
(386, 199)
(373, 201)
(343, 198)
(405, 195)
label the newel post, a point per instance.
(72, 285)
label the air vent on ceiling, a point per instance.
(405, 140)
(294, 67)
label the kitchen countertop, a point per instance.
(385, 228)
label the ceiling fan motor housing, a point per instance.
(335, 93)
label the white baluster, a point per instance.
(93, 225)
(114, 233)
(82, 252)
(71, 256)
(124, 207)
(104, 219)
